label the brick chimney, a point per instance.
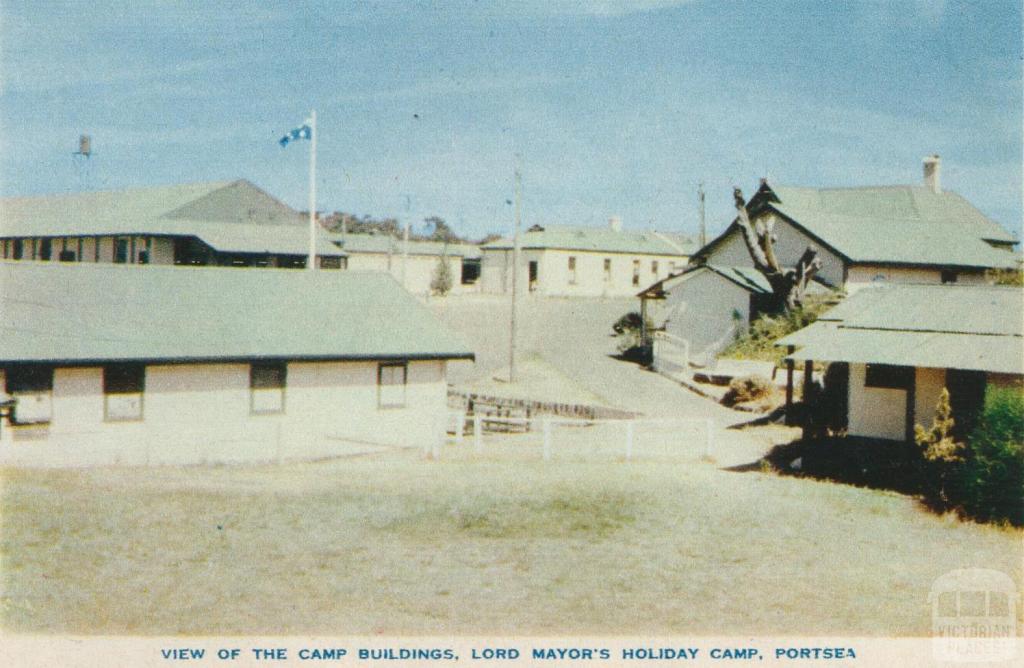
(615, 224)
(933, 173)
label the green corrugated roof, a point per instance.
(99, 312)
(384, 244)
(236, 217)
(907, 225)
(958, 327)
(598, 239)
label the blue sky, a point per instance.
(616, 108)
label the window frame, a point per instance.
(283, 368)
(572, 270)
(381, 366)
(888, 376)
(46, 388)
(108, 392)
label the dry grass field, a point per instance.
(471, 544)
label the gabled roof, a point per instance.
(598, 239)
(384, 244)
(900, 225)
(942, 326)
(229, 216)
(748, 278)
(93, 313)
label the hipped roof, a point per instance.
(957, 327)
(83, 312)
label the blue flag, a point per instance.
(303, 132)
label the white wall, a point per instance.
(790, 246)
(196, 413)
(862, 275)
(700, 308)
(419, 272)
(928, 384)
(875, 412)
(554, 277)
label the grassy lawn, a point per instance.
(394, 544)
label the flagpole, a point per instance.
(311, 262)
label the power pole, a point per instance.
(311, 262)
(515, 286)
(703, 231)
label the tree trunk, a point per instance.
(788, 284)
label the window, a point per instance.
(948, 276)
(45, 249)
(572, 271)
(67, 256)
(267, 382)
(607, 270)
(120, 251)
(19, 249)
(123, 385)
(636, 272)
(889, 376)
(654, 268)
(330, 263)
(391, 381)
(32, 386)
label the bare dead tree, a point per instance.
(788, 284)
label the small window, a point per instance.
(391, 382)
(32, 387)
(67, 256)
(330, 262)
(889, 376)
(45, 249)
(607, 270)
(267, 382)
(144, 257)
(654, 268)
(948, 276)
(123, 387)
(19, 249)
(572, 271)
(636, 272)
(121, 251)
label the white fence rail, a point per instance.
(559, 438)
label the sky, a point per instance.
(614, 108)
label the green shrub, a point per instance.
(748, 388)
(992, 483)
(941, 457)
(758, 342)
(441, 281)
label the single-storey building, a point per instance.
(899, 345)
(564, 261)
(229, 223)
(121, 364)
(897, 234)
(698, 312)
(413, 264)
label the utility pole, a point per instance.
(311, 262)
(405, 242)
(515, 286)
(703, 231)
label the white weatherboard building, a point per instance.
(701, 310)
(415, 264)
(226, 223)
(122, 364)
(896, 234)
(563, 261)
(901, 344)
